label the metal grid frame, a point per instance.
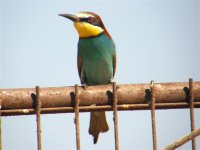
(152, 105)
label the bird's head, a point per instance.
(87, 24)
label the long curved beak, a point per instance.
(70, 17)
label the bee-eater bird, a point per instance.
(96, 60)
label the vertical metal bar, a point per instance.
(153, 115)
(191, 100)
(115, 115)
(38, 106)
(77, 118)
(0, 128)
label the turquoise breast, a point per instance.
(97, 55)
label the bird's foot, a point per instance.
(111, 81)
(84, 86)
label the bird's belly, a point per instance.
(97, 71)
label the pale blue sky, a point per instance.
(155, 40)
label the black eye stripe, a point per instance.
(95, 23)
(83, 19)
(89, 20)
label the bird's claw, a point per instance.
(84, 86)
(111, 81)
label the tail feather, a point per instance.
(98, 124)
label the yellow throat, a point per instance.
(87, 30)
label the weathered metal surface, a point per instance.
(115, 115)
(78, 147)
(191, 104)
(22, 101)
(0, 135)
(183, 140)
(127, 107)
(38, 120)
(153, 115)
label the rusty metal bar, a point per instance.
(0, 133)
(38, 106)
(130, 97)
(77, 117)
(0, 128)
(183, 140)
(152, 105)
(115, 115)
(128, 107)
(191, 101)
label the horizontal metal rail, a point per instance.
(130, 97)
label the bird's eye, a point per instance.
(91, 20)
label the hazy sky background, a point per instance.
(155, 40)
